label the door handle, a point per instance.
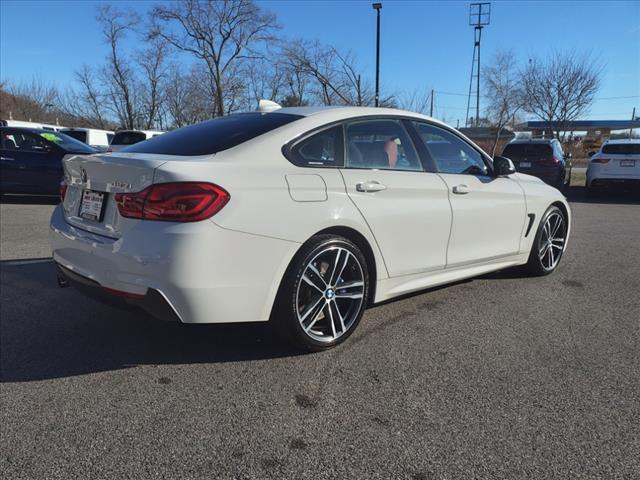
(8, 159)
(461, 189)
(370, 186)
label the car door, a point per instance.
(489, 213)
(36, 163)
(406, 208)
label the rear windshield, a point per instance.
(528, 150)
(214, 135)
(622, 148)
(77, 134)
(128, 138)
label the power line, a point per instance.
(485, 96)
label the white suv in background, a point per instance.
(616, 164)
(124, 138)
(98, 139)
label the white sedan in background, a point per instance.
(302, 216)
(616, 164)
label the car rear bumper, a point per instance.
(599, 179)
(202, 272)
(153, 302)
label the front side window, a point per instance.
(381, 144)
(323, 149)
(25, 142)
(451, 153)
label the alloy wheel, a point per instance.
(330, 294)
(551, 242)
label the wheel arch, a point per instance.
(363, 244)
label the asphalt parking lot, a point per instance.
(498, 377)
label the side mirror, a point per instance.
(503, 166)
(591, 154)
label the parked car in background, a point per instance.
(23, 124)
(616, 164)
(542, 158)
(304, 216)
(98, 139)
(31, 159)
(124, 138)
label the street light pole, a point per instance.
(377, 7)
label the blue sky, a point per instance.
(424, 44)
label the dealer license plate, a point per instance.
(92, 204)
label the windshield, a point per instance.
(622, 148)
(66, 142)
(213, 135)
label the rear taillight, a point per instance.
(550, 161)
(600, 160)
(173, 202)
(63, 189)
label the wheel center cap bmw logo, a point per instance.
(329, 294)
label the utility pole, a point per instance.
(377, 7)
(479, 17)
(431, 108)
(633, 118)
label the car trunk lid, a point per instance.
(97, 178)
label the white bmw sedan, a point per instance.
(300, 216)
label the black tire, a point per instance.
(536, 265)
(291, 302)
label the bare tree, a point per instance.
(327, 75)
(152, 63)
(115, 25)
(219, 33)
(560, 88)
(503, 91)
(34, 99)
(418, 100)
(186, 101)
(88, 100)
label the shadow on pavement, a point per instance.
(611, 196)
(30, 199)
(48, 332)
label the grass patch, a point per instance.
(578, 179)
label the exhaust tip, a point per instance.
(62, 282)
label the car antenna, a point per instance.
(266, 106)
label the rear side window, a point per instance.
(77, 134)
(213, 135)
(110, 138)
(622, 148)
(528, 150)
(323, 149)
(128, 138)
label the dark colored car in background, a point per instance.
(542, 158)
(31, 159)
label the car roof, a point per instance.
(336, 113)
(28, 129)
